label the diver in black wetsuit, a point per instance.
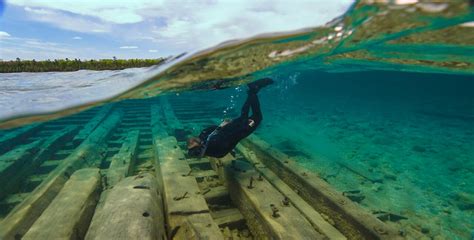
(217, 141)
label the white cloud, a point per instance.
(4, 34)
(153, 50)
(182, 25)
(38, 11)
(114, 11)
(77, 38)
(67, 21)
(128, 47)
(201, 24)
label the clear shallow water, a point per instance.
(401, 139)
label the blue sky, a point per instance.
(93, 29)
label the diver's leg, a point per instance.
(244, 113)
(252, 99)
(255, 86)
(256, 112)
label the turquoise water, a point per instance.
(378, 103)
(399, 142)
(403, 141)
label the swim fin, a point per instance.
(255, 86)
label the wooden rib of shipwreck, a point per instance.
(17, 136)
(89, 153)
(123, 162)
(29, 157)
(350, 219)
(132, 209)
(187, 213)
(93, 123)
(318, 221)
(259, 201)
(69, 214)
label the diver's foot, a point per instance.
(255, 86)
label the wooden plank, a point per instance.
(310, 213)
(93, 123)
(123, 162)
(12, 162)
(17, 137)
(198, 161)
(131, 210)
(185, 207)
(227, 217)
(37, 179)
(171, 119)
(90, 153)
(256, 202)
(25, 167)
(50, 163)
(350, 219)
(68, 215)
(216, 193)
(65, 152)
(177, 184)
(14, 199)
(203, 174)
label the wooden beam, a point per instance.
(171, 120)
(69, 214)
(123, 162)
(132, 209)
(93, 123)
(12, 161)
(17, 137)
(315, 218)
(350, 219)
(186, 210)
(90, 153)
(256, 202)
(12, 177)
(183, 200)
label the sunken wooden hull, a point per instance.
(121, 172)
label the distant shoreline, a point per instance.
(68, 65)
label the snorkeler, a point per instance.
(217, 141)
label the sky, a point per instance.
(97, 29)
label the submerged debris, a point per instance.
(387, 216)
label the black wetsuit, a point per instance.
(224, 139)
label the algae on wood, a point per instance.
(69, 214)
(23, 168)
(316, 219)
(17, 136)
(353, 221)
(171, 120)
(93, 123)
(186, 210)
(89, 153)
(123, 162)
(131, 210)
(12, 161)
(257, 200)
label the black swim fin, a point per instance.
(255, 86)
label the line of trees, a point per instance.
(64, 65)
